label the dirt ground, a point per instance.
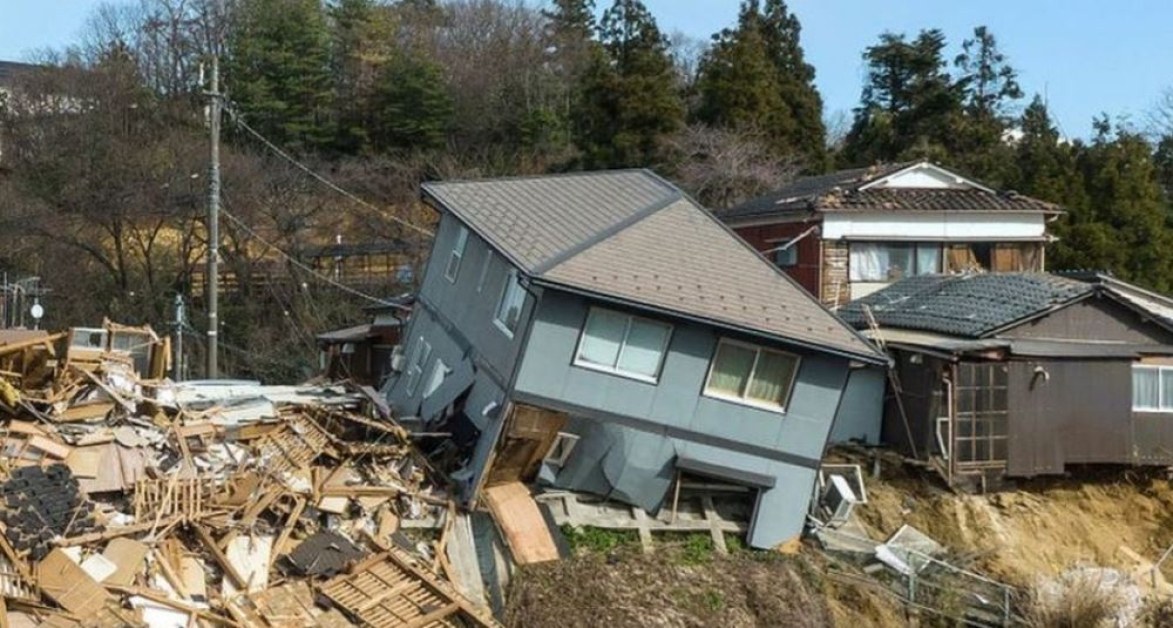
(1117, 518)
(668, 588)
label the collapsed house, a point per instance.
(1024, 374)
(601, 332)
(849, 233)
(131, 500)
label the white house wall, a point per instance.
(958, 226)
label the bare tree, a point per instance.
(722, 168)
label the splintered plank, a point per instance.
(522, 524)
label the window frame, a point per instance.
(786, 257)
(615, 370)
(1161, 407)
(439, 370)
(744, 400)
(511, 280)
(418, 360)
(571, 441)
(914, 247)
(456, 256)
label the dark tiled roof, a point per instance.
(840, 191)
(972, 306)
(633, 236)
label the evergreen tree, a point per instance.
(570, 46)
(988, 85)
(754, 80)
(630, 98)
(278, 71)
(358, 53)
(413, 109)
(908, 102)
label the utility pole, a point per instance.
(212, 280)
(180, 323)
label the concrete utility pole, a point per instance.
(180, 323)
(212, 280)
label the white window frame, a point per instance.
(746, 401)
(615, 370)
(1164, 406)
(415, 369)
(570, 440)
(452, 270)
(511, 283)
(439, 374)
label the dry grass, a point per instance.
(1080, 600)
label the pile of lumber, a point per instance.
(130, 500)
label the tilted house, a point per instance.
(1024, 374)
(852, 232)
(601, 331)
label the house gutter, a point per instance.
(876, 359)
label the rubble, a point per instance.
(133, 500)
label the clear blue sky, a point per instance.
(1087, 56)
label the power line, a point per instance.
(306, 169)
(298, 263)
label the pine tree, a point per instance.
(908, 102)
(988, 85)
(631, 101)
(278, 71)
(413, 109)
(754, 81)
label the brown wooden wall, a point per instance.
(765, 237)
(1100, 319)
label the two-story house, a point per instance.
(847, 234)
(600, 332)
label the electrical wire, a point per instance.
(306, 169)
(302, 265)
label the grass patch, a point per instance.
(688, 548)
(585, 539)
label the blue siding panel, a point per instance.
(862, 411)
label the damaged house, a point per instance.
(602, 333)
(849, 233)
(1024, 374)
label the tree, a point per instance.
(278, 71)
(987, 85)
(631, 101)
(721, 168)
(412, 106)
(754, 81)
(907, 104)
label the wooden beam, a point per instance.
(221, 559)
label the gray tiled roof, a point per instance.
(633, 236)
(9, 70)
(840, 191)
(972, 306)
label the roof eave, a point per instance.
(875, 358)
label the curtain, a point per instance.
(868, 261)
(1145, 391)
(928, 259)
(602, 337)
(1166, 389)
(643, 347)
(731, 369)
(1007, 258)
(771, 377)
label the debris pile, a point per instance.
(131, 500)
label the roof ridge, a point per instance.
(554, 175)
(607, 233)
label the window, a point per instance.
(981, 430)
(509, 307)
(560, 451)
(457, 254)
(752, 375)
(439, 372)
(1152, 388)
(787, 257)
(890, 261)
(622, 344)
(415, 368)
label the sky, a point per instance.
(1084, 56)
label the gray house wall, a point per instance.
(1099, 319)
(457, 317)
(861, 411)
(672, 419)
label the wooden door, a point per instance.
(529, 434)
